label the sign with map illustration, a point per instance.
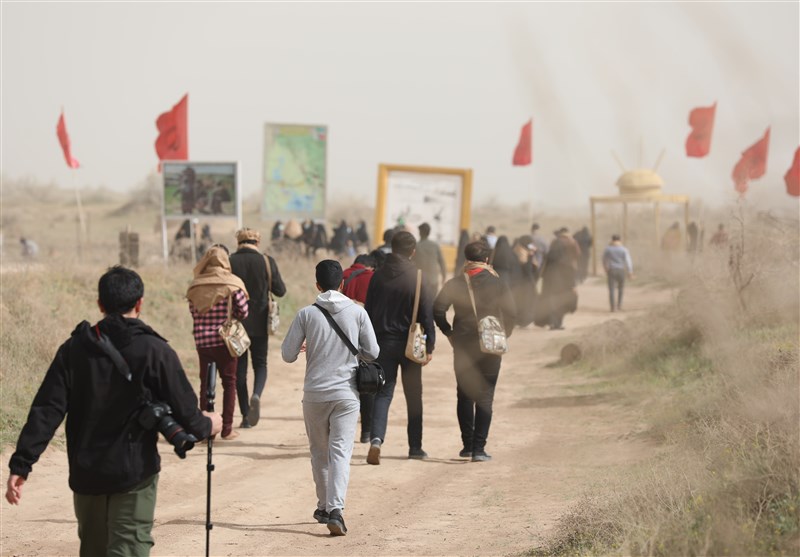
(411, 195)
(294, 171)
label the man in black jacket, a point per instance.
(250, 265)
(102, 378)
(390, 301)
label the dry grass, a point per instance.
(716, 373)
(716, 376)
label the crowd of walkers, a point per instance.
(310, 236)
(542, 275)
(363, 312)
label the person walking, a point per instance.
(356, 283)
(100, 379)
(490, 236)
(429, 259)
(476, 372)
(617, 263)
(463, 240)
(524, 291)
(584, 240)
(357, 278)
(330, 397)
(211, 292)
(260, 275)
(540, 252)
(390, 301)
(558, 278)
(672, 241)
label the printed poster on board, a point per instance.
(294, 178)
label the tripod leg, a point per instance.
(212, 382)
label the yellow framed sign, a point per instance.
(411, 195)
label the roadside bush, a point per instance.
(40, 306)
(716, 376)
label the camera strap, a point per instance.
(108, 348)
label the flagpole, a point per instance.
(81, 221)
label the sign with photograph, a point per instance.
(411, 195)
(207, 189)
(294, 177)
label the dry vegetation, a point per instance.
(716, 374)
(716, 377)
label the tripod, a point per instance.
(212, 387)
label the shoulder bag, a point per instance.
(369, 375)
(273, 310)
(491, 333)
(233, 333)
(416, 350)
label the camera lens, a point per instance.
(159, 415)
(176, 435)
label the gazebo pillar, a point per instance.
(594, 240)
(624, 222)
(625, 200)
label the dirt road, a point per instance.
(550, 439)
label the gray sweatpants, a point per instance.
(331, 429)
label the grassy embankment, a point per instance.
(41, 306)
(716, 378)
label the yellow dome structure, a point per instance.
(640, 185)
(640, 182)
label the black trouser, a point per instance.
(258, 353)
(391, 357)
(367, 402)
(616, 278)
(556, 311)
(476, 377)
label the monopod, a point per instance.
(212, 387)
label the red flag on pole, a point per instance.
(523, 154)
(173, 138)
(63, 139)
(792, 176)
(698, 144)
(752, 165)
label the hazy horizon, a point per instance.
(424, 84)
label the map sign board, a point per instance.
(411, 195)
(294, 179)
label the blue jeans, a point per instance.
(391, 357)
(616, 279)
(258, 353)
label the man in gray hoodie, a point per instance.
(330, 397)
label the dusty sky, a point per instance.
(426, 84)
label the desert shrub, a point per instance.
(41, 305)
(716, 376)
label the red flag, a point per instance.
(792, 176)
(698, 144)
(63, 138)
(523, 154)
(752, 165)
(173, 140)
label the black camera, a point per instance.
(159, 415)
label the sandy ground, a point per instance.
(552, 436)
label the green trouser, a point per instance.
(117, 525)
